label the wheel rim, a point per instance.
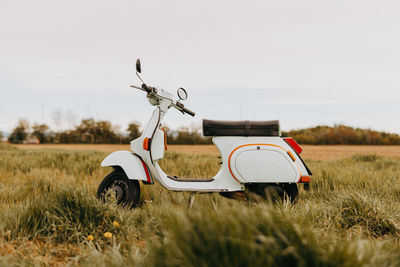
(120, 189)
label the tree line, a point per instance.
(342, 135)
(90, 131)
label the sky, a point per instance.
(305, 63)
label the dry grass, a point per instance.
(350, 217)
(326, 152)
(192, 149)
(345, 151)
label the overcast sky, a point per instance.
(303, 62)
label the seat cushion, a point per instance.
(240, 128)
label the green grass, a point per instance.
(350, 217)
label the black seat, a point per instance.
(240, 128)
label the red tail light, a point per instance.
(293, 144)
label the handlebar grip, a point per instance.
(188, 111)
(185, 110)
(147, 88)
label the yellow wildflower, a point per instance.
(90, 237)
(108, 235)
(116, 224)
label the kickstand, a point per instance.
(191, 199)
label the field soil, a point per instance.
(323, 152)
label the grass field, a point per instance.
(310, 151)
(49, 214)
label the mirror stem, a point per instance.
(137, 74)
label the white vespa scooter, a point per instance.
(254, 157)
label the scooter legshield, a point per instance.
(133, 166)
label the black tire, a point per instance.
(274, 191)
(291, 191)
(126, 191)
(307, 186)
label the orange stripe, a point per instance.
(165, 139)
(291, 155)
(229, 159)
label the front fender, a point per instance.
(133, 166)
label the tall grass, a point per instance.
(259, 236)
(350, 217)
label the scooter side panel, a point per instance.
(300, 164)
(231, 146)
(129, 162)
(265, 165)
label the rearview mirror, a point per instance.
(138, 66)
(182, 94)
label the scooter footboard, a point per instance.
(133, 166)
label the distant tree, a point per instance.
(86, 131)
(67, 137)
(1, 136)
(41, 132)
(190, 137)
(105, 133)
(20, 132)
(133, 131)
(184, 137)
(342, 135)
(100, 132)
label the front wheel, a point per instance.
(127, 192)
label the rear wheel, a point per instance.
(291, 191)
(116, 184)
(274, 191)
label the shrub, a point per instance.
(360, 211)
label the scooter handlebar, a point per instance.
(185, 110)
(188, 111)
(147, 88)
(137, 87)
(144, 87)
(177, 105)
